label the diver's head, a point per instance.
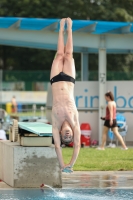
(66, 133)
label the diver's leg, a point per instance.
(69, 66)
(57, 65)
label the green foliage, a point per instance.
(76, 9)
(32, 59)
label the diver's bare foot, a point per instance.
(62, 23)
(69, 23)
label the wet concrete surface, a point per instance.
(99, 179)
(92, 179)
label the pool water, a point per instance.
(71, 194)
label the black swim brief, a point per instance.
(62, 77)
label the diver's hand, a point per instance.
(67, 169)
(67, 165)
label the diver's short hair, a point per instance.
(66, 142)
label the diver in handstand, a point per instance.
(65, 122)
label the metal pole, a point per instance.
(0, 88)
(102, 84)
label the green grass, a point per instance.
(90, 159)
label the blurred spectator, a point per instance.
(2, 114)
(14, 104)
(2, 134)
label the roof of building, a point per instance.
(90, 26)
(88, 35)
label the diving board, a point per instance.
(38, 128)
(31, 133)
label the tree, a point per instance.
(106, 10)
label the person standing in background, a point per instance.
(2, 133)
(14, 104)
(110, 121)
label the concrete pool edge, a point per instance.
(92, 180)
